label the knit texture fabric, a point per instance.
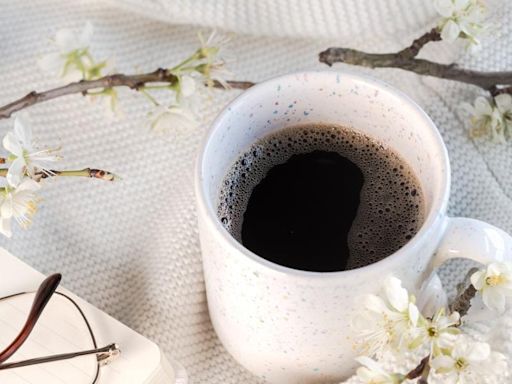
(131, 247)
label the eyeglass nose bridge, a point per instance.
(105, 358)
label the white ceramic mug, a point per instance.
(292, 326)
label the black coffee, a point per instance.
(321, 198)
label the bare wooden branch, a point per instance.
(495, 91)
(413, 50)
(419, 370)
(117, 80)
(466, 291)
(233, 84)
(406, 60)
(86, 172)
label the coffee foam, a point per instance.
(391, 208)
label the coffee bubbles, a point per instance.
(320, 167)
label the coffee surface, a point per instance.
(321, 198)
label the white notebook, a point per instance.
(140, 361)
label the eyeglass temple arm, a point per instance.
(43, 295)
(103, 355)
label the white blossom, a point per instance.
(372, 373)
(440, 332)
(461, 19)
(469, 362)
(173, 119)
(503, 103)
(214, 66)
(20, 203)
(219, 73)
(72, 61)
(186, 93)
(488, 119)
(26, 159)
(212, 47)
(391, 323)
(495, 284)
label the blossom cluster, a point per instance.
(73, 61)
(394, 325)
(27, 165)
(461, 19)
(491, 117)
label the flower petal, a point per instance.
(6, 210)
(5, 226)
(12, 144)
(28, 185)
(443, 363)
(447, 339)
(66, 40)
(365, 374)
(453, 319)
(444, 7)
(494, 300)
(397, 296)
(450, 31)
(414, 314)
(478, 280)
(432, 295)
(16, 171)
(478, 352)
(187, 86)
(375, 304)
(482, 106)
(86, 35)
(23, 131)
(493, 269)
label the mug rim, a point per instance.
(437, 209)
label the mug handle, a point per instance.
(463, 238)
(473, 239)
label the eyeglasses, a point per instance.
(62, 327)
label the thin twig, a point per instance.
(406, 60)
(413, 50)
(107, 82)
(418, 371)
(495, 91)
(466, 291)
(233, 84)
(86, 172)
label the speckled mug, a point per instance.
(292, 326)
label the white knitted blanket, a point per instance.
(131, 247)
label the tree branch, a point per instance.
(117, 80)
(495, 91)
(420, 369)
(466, 291)
(86, 172)
(233, 84)
(413, 50)
(406, 60)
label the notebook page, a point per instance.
(61, 329)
